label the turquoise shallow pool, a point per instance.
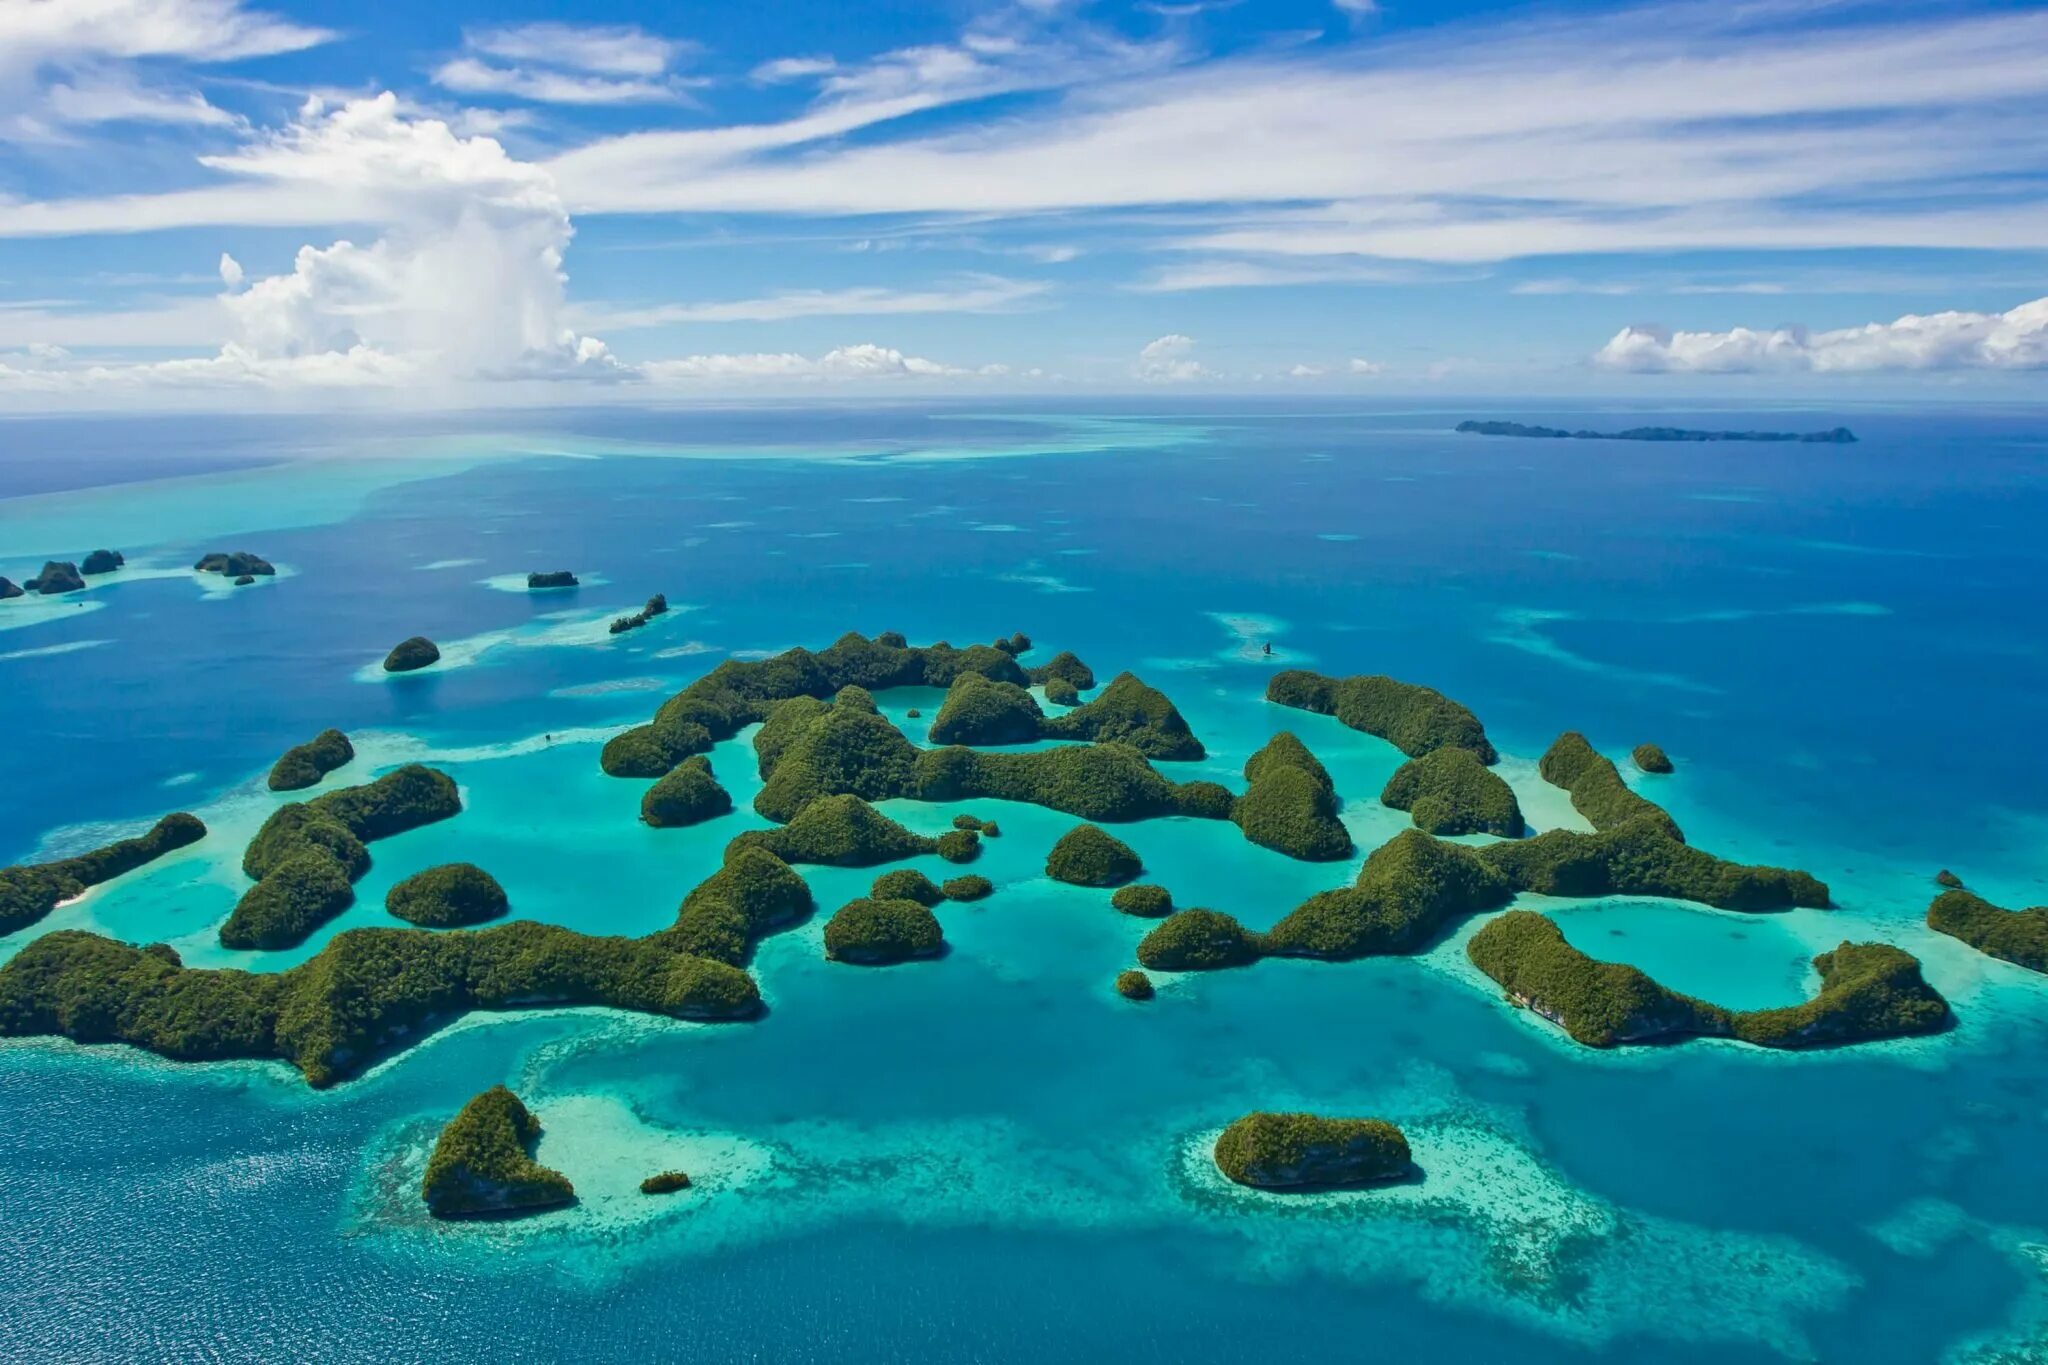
(991, 1156)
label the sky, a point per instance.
(303, 203)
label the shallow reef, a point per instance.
(483, 1163)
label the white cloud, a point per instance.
(1169, 360)
(1357, 366)
(1306, 371)
(2015, 340)
(785, 69)
(864, 361)
(468, 76)
(552, 63)
(980, 294)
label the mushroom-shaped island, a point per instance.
(688, 795)
(981, 710)
(665, 1182)
(58, 576)
(1199, 940)
(838, 831)
(1413, 719)
(303, 765)
(1134, 985)
(1060, 692)
(554, 578)
(483, 1164)
(907, 884)
(1144, 900)
(408, 655)
(1086, 855)
(235, 564)
(1449, 791)
(1067, 668)
(1269, 1151)
(1129, 711)
(451, 896)
(874, 933)
(102, 561)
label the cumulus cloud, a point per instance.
(2015, 340)
(1358, 366)
(1307, 371)
(1169, 360)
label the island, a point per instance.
(1060, 692)
(8, 588)
(987, 829)
(1086, 855)
(31, 891)
(665, 1182)
(1143, 900)
(1597, 789)
(968, 888)
(483, 1165)
(300, 893)
(1289, 804)
(1948, 880)
(305, 764)
(983, 710)
(1134, 985)
(1065, 667)
(102, 561)
(451, 896)
(1838, 436)
(1449, 791)
(556, 578)
(906, 884)
(688, 795)
(1651, 758)
(1413, 719)
(409, 655)
(657, 605)
(58, 576)
(754, 894)
(1409, 890)
(839, 831)
(1868, 991)
(1199, 940)
(873, 933)
(980, 710)
(2016, 936)
(235, 564)
(1269, 1151)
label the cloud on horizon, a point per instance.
(2013, 340)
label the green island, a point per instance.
(1289, 803)
(1597, 789)
(451, 896)
(1134, 985)
(665, 1182)
(839, 831)
(33, 890)
(1651, 758)
(657, 605)
(1060, 692)
(990, 711)
(1413, 719)
(1269, 1151)
(1410, 888)
(1065, 667)
(688, 794)
(1449, 791)
(366, 992)
(1868, 991)
(906, 884)
(483, 1165)
(980, 710)
(1198, 940)
(968, 888)
(988, 829)
(874, 933)
(102, 561)
(236, 564)
(58, 576)
(302, 891)
(410, 655)
(1948, 880)
(305, 764)
(752, 895)
(1143, 900)
(552, 578)
(1839, 436)
(1087, 855)
(2016, 936)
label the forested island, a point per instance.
(1834, 436)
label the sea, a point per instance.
(991, 1156)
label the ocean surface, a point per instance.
(990, 1156)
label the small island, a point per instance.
(1143, 900)
(665, 1182)
(968, 888)
(410, 655)
(235, 564)
(555, 578)
(688, 795)
(839, 831)
(29, 892)
(483, 1165)
(907, 884)
(58, 576)
(1269, 1151)
(1289, 804)
(1449, 791)
(305, 764)
(2016, 936)
(754, 894)
(1597, 788)
(300, 893)
(873, 933)
(9, 588)
(1413, 719)
(1198, 940)
(657, 605)
(103, 561)
(451, 896)
(1134, 985)
(1651, 758)
(1839, 436)
(1088, 856)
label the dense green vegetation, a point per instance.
(1651, 758)
(552, 578)
(1093, 781)
(367, 990)
(1131, 712)
(301, 893)
(665, 1182)
(1088, 856)
(298, 828)
(1067, 668)
(1289, 804)
(402, 799)
(906, 884)
(2019, 936)
(1134, 985)
(968, 888)
(982, 710)
(411, 654)
(451, 896)
(873, 932)
(1198, 940)
(235, 564)
(1413, 719)
(809, 749)
(1143, 900)
(27, 893)
(752, 895)
(1449, 791)
(657, 605)
(483, 1163)
(959, 845)
(1410, 888)
(304, 765)
(1286, 1151)
(838, 831)
(1641, 858)
(1596, 786)
(1868, 991)
(1060, 692)
(688, 794)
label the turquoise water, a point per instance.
(991, 1155)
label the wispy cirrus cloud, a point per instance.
(979, 294)
(555, 63)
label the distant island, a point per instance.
(1834, 436)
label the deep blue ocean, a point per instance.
(991, 1157)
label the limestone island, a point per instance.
(1868, 991)
(665, 1182)
(1413, 719)
(907, 884)
(657, 605)
(305, 764)
(688, 795)
(31, 891)
(1289, 803)
(103, 561)
(1269, 1151)
(8, 588)
(556, 578)
(874, 933)
(451, 896)
(483, 1165)
(754, 894)
(839, 831)
(58, 576)
(409, 655)
(1449, 791)
(1651, 758)
(1199, 940)
(1143, 900)
(235, 564)
(1134, 985)
(1948, 880)
(983, 711)
(1838, 436)
(2016, 936)
(968, 888)
(1087, 856)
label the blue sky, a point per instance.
(208, 202)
